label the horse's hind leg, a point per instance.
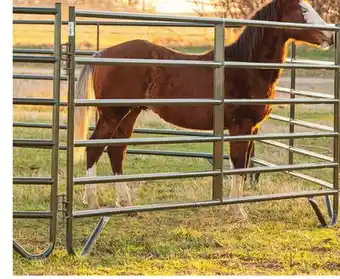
(240, 159)
(117, 155)
(105, 128)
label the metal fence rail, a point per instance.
(217, 137)
(52, 144)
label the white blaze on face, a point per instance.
(312, 17)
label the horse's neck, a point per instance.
(266, 48)
(272, 49)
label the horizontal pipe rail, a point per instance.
(180, 63)
(33, 50)
(182, 133)
(298, 150)
(199, 155)
(208, 155)
(36, 125)
(144, 177)
(193, 102)
(303, 93)
(301, 123)
(137, 131)
(257, 65)
(138, 102)
(34, 59)
(311, 179)
(202, 155)
(115, 23)
(277, 168)
(146, 141)
(174, 140)
(269, 136)
(309, 61)
(34, 101)
(33, 214)
(185, 102)
(151, 62)
(48, 51)
(91, 52)
(36, 77)
(33, 143)
(157, 207)
(176, 175)
(33, 180)
(210, 20)
(34, 10)
(296, 174)
(172, 23)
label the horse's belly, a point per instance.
(197, 118)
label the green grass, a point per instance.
(281, 238)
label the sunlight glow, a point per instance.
(174, 6)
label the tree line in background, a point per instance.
(328, 9)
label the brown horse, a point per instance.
(136, 82)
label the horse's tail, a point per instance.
(83, 115)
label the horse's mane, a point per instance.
(243, 49)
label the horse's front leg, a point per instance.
(254, 177)
(239, 154)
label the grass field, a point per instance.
(280, 238)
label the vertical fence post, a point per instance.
(292, 106)
(70, 128)
(336, 127)
(218, 112)
(96, 116)
(55, 121)
(98, 36)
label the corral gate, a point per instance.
(218, 137)
(53, 143)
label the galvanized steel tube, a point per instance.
(292, 106)
(217, 190)
(157, 207)
(70, 130)
(35, 10)
(336, 142)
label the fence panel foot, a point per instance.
(333, 215)
(94, 235)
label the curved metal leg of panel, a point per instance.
(94, 235)
(329, 206)
(21, 251)
(332, 212)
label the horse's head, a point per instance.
(299, 11)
